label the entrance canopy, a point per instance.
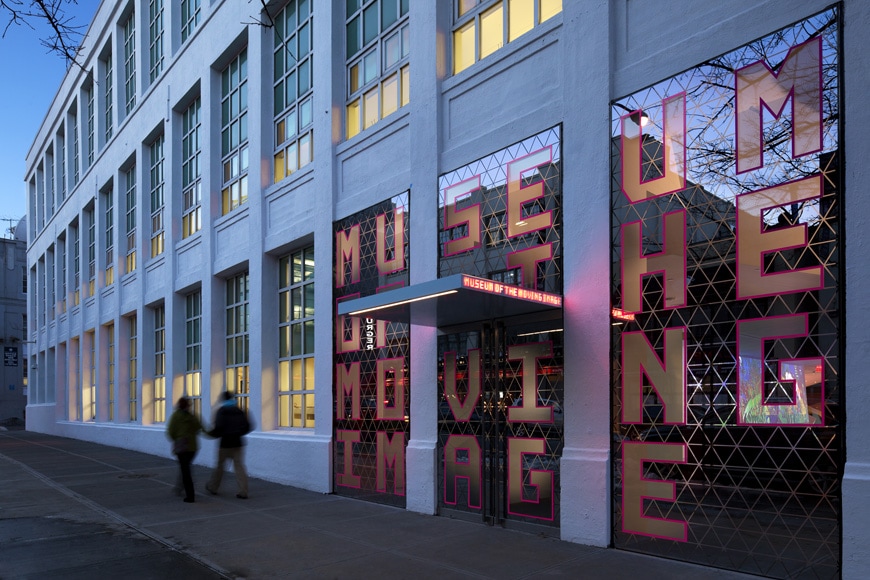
(456, 299)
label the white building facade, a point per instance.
(584, 268)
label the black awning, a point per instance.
(456, 299)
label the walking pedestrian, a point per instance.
(182, 430)
(230, 424)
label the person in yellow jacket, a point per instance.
(182, 430)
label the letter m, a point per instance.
(798, 79)
(347, 254)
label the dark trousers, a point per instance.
(184, 461)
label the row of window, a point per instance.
(74, 147)
(294, 387)
(377, 56)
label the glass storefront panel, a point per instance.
(727, 309)
(372, 380)
(500, 423)
(500, 380)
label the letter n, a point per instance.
(667, 377)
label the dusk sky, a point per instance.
(31, 77)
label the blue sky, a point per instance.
(31, 77)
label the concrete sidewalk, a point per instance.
(74, 510)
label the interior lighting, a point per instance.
(540, 332)
(400, 302)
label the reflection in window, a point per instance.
(133, 369)
(296, 339)
(234, 133)
(480, 27)
(293, 88)
(193, 351)
(191, 182)
(190, 14)
(378, 75)
(238, 339)
(159, 346)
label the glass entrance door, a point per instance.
(501, 422)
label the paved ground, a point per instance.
(76, 510)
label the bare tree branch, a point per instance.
(65, 35)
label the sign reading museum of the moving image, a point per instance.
(727, 343)
(372, 398)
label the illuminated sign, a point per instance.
(499, 289)
(620, 314)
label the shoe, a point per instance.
(188, 500)
(242, 495)
(210, 490)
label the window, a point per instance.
(292, 90)
(50, 286)
(237, 338)
(75, 148)
(234, 133)
(133, 374)
(89, 114)
(89, 392)
(157, 196)
(74, 387)
(155, 38)
(130, 180)
(61, 168)
(42, 290)
(296, 339)
(108, 98)
(378, 75)
(61, 275)
(193, 351)
(110, 368)
(109, 203)
(130, 63)
(24, 280)
(77, 272)
(191, 218)
(159, 364)
(190, 14)
(49, 184)
(483, 26)
(91, 218)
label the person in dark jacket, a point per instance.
(182, 430)
(230, 425)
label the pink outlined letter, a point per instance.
(518, 194)
(673, 179)
(347, 250)
(527, 261)
(462, 410)
(667, 377)
(670, 262)
(540, 480)
(386, 411)
(757, 88)
(386, 266)
(457, 217)
(469, 470)
(529, 411)
(754, 241)
(347, 383)
(636, 488)
(346, 439)
(751, 406)
(391, 453)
